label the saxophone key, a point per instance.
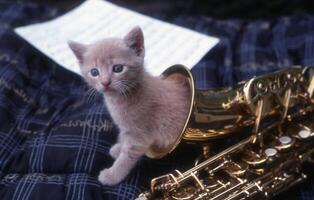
(305, 134)
(272, 154)
(302, 132)
(236, 169)
(284, 143)
(253, 159)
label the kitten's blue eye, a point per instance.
(117, 68)
(94, 72)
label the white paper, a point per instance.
(165, 44)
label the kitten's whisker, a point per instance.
(118, 88)
(88, 93)
(91, 95)
(122, 89)
(94, 95)
(125, 91)
(128, 85)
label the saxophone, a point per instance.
(270, 118)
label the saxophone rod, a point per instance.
(204, 164)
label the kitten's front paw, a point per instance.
(107, 177)
(115, 151)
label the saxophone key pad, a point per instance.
(304, 134)
(285, 140)
(284, 143)
(271, 152)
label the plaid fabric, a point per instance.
(54, 139)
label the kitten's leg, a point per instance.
(127, 159)
(115, 150)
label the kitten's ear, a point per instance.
(78, 49)
(135, 40)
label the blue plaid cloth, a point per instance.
(54, 140)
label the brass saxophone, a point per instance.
(271, 118)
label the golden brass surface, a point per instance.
(276, 111)
(182, 73)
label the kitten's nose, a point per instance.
(106, 84)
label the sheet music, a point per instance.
(165, 44)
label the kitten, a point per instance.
(148, 110)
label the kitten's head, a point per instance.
(112, 65)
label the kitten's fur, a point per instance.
(148, 110)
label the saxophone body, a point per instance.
(270, 119)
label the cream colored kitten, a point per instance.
(148, 110)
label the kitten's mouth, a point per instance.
(108, 89)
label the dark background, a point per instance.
(222, 9)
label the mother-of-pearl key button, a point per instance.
(285, 140)
(304, 134)
(270, 152)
